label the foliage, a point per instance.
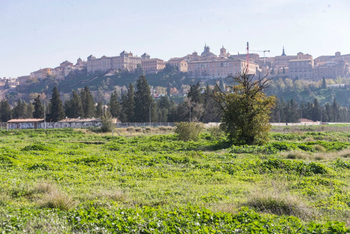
(103, 183)
(246, 110)
(56, 110)
(107, 123)
(187, 131)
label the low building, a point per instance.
(80, 123)
(25, 123)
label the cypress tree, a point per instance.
(57, 111)
(124, 106)
(5, 111)
(324, 85)
(38, 108)
(114, 105)
(87, 102)
(30, 110)
(143, 101)
(130, 105)
(74, 107)
(19, 110)
(99, 110)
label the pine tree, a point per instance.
(87, 102)
(246, 110)
(324, 85)
(99, 109)
(38, 108)
(114, 105)
(316, 111)
(5, 111)
(19, 110)
(130, 104)
(30, 110)
(124, 107)
(143, 101)
(74, 107)
(56, 108)
(195, 94)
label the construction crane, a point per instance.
(262, 51)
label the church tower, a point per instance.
(283, 54)
(223, 53)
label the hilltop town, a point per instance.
(205, 65)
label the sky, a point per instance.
(43, 33)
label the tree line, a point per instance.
(138, 105)
(291, 111)
(134, 105)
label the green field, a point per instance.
(69, 181)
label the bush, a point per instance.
(188, 131)
(107, 124)
(215, 132)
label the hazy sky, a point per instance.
(43, 33)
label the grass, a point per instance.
(80, 180)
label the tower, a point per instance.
(223, 53)
(283, 54)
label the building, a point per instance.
(25, 123)
(41, 74)
(125, 61)
(180, 63)
(219, 68)
(331, 70)
(22, 79)
(301, 68)
(152, 65)
(208, 65)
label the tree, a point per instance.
(19, 111)
(114, 105)
(246, 109)
(29, 111)
(74, 107)
(87, 102)
(99, 109)
(56, 108)
(143, 101)
(129, 105)
(195, 93)
(5, 111)
(38, 108)
(324, 84)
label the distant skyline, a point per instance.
(39, 33)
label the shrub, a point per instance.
(188, 131)
(130, 129)
(107, 124)
(215, 132)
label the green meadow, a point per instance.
(75, 181)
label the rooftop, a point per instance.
(25, 120)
